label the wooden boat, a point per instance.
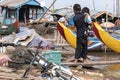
(70, 37)
(106, 38)
(13, 27)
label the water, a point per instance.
(114, 68)
(109, 56)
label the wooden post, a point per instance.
(91, 63)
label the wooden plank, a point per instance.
(53, 40)
(62, 45)
(15, 76)
(90, 63)
(12, 78)
(25, 43)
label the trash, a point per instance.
(52, 56)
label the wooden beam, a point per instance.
(92, 63)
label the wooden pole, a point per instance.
(94, 5)
(106, 12)
(92, 63)
(117, 8)
(106, 24)
(45, 12)
(114, 7)
(53, 7)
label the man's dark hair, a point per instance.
(77, 8)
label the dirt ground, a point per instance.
(96, 72)
(99, 72)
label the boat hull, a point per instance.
(106, 38)
(70, 37)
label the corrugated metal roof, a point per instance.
(18, 3)
(64, 11)
(32, 2)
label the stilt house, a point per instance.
(102, 15)
(23, 10)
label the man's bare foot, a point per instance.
(76, 60)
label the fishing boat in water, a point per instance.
(9, 27)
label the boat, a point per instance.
(106, 38)
(9, 27)
(70, 37)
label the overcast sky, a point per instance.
(100, 5)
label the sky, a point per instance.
(100, 5)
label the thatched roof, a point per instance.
(16, 3)
(101, 13)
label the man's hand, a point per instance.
(4, 59)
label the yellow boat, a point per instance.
(70, 37)
(106, 38)
(67, 34)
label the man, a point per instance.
(81, 48)
(5, 57)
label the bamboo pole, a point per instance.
(117, 8)
(92, 63)
(53, 7)
(114, 7)
(45, 12)
(94, 5)
(106, 23)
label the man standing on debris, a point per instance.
(81, 48)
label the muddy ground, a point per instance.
(95, 72)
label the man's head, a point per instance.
(76, 8)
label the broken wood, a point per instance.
(6, 69)
(16, 76)
(92, 63)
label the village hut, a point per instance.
(22, 10)
(99, 16)
(66, 12)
